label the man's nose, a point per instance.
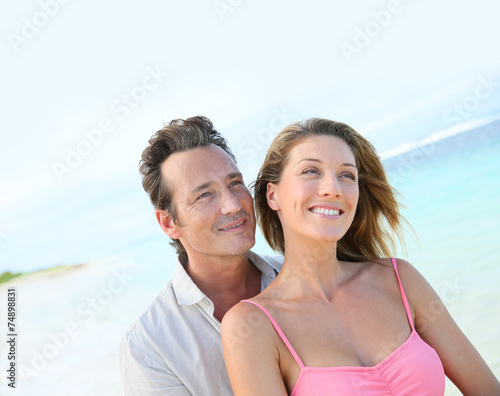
(230, 203)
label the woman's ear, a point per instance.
(272, 196)
(167, 224)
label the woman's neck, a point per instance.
(312, 268)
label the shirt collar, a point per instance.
(186, 291)
(266, 267)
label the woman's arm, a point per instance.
(250, 352)
(461, 361)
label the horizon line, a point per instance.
(438, 135)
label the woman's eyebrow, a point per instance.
(319, 161)
(308, 159)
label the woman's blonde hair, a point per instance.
(378, 209)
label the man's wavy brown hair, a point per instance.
(176, 136)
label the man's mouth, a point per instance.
(233, 226)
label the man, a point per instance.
(201, 202)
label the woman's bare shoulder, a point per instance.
(417, 289)
(246, 330)
(380, 272)
(246, 318)
(402, 265)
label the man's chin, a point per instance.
(239, 250)
(221, 247)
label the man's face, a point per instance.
(215, 214)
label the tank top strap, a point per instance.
(403, 294)
(280, 333)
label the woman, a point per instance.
(337, 319)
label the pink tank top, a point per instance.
(414, 368)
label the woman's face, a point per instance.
(318, 192)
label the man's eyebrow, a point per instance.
(232, 175)
(317, 160)
(202, 187)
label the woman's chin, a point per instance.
(326, 237)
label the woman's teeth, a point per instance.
(330, 212)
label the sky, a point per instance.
(86, 84)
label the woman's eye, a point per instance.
(310, 171)
(349, 175)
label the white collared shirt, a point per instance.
(175, 347)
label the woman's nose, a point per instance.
(330, 187)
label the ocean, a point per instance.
(69, 322)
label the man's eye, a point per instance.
(206, 194)
(236, 183)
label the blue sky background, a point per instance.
(413, 68)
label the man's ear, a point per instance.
(167, 224)
(272, 196)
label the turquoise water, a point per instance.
(452, 195)
(452, 201)
(70, 323)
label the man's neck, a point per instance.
(225, 280)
